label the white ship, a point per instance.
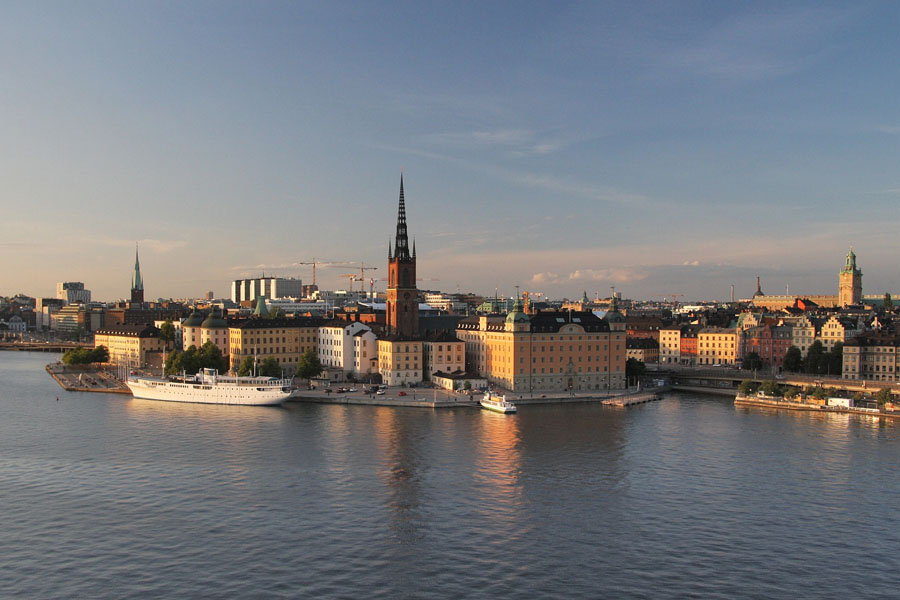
(497, 403)
(207, 387)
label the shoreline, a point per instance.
(806, 406)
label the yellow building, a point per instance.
(444, 353)
(400, 361)
(550, 351)
(285, 340)
(717, 346)
(134, 346)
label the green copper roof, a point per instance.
(261, 309)
(214, 321)
(136, 282)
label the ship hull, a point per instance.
(243, 395)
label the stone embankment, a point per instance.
(88, 379)
(782, 404)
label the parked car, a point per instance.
(379, 393)
(402, 394)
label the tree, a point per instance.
(276, 313)
(467, 385)
(888, 302)
(246, 367)
(883, 396)
(747, 387)
(815, 358)
(270, 367)
(769, 388)
(85, 356)
(793, 360)
(834, 360)
(211, 358)
(753, 361)
(818, 393)
(167, 332)
(634, 368)
(310, 365)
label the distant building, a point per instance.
(73, 292)
(718, 346)
(872, 357)
(348, 347)
(44, 312)
(850, 282)
(137, 346)
(645, 350)
(271, 287)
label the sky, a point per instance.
(658, 147)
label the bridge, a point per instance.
(43, 346)
(726, 380)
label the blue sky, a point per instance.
(658, 147)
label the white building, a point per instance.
(72, 292)
(349, 346)
(270, 287)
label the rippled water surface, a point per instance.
(104, 496)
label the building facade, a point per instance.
(717, 346)
(551, 351)
(285, 340)
(73, 292)
(134, 346)
(248, 290)
(872, 357)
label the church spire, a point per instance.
(401, 241)
(136, 282)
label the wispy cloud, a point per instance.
(514, 142)
(760, 45)
(161, 246)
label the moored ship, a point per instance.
(497, 403)
(208, 387)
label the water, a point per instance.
(104, 496)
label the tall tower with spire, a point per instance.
(137, 284)
(850, 282)
(402, 298)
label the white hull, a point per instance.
(497, 404)
(246, 393)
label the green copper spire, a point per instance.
(136, 282)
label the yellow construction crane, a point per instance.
(313, 263)
(351, 277)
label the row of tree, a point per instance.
(816, 362)
(210, 357)
(86, 356)
(773, 388)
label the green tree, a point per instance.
(793, 360)
(747, 387)
(85, 356)
(167, 332)
(100, 354)
(815, 358)
(818, 393)
(634, 368)
(858, 397)
(210, 357)
(246, 367)
(276, 313)
(770, 388)
(270, 367)
(467, 385)
(310, 365)
(888, 302)
(834, 360)
(883, 396)
(753, 361)
(173, 363)
(791, 392)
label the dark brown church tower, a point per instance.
(402, 299)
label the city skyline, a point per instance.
(659, 149)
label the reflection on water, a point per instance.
(108, 497)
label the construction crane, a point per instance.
(351, 277)
(313, 263)
(362, 270)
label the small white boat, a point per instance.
(496, 403)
